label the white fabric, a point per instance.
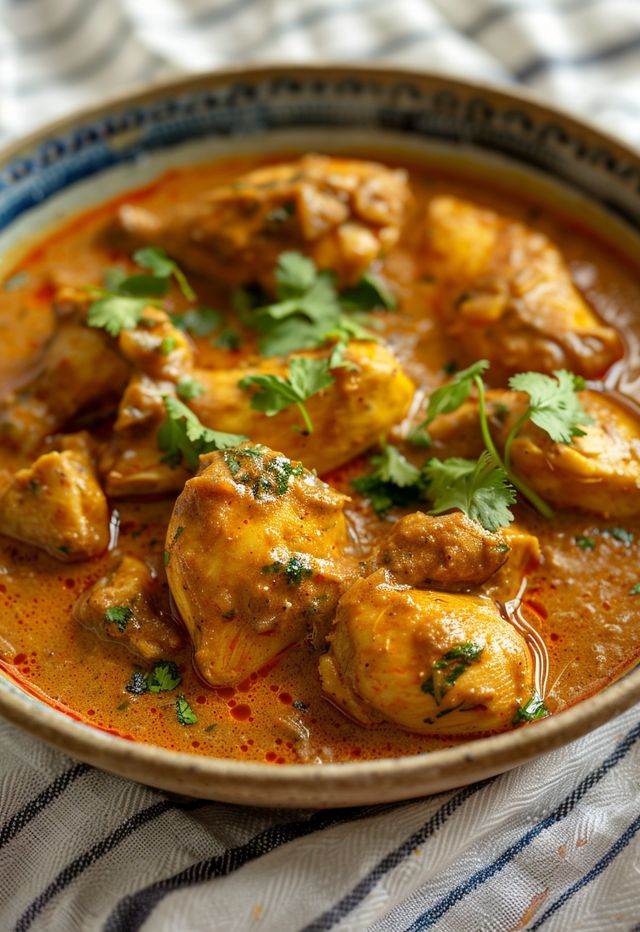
(553, 844)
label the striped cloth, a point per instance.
(553, 845)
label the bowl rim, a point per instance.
(494, 752)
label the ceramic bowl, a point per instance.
(125, 142)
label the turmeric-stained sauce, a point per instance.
(574, 601)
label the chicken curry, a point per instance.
(314, 458)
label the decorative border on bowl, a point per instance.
(262, 102)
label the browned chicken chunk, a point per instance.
(348, 417)
(445, 551)
(436, 663)
(78, 371)
(57, 504)
(504, 293)
(129, 606)
(341, 212)
(257, 559)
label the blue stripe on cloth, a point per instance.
(553, 63)
(429, 918)
(97, 851)
(134, 910)
(349, 902)
(23, 816)
(595, 871)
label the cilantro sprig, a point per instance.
(120, 305)
(308, 309)
(305, 377)
(393, 481)
(479, 488)
(183, 438)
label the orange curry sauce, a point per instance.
(578, 601)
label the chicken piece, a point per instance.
(431, 662)
(131, 464)
(348, 416)
(598, 472)
(78, 371)
(523, 556)
(57, 504)
(341, 212)
(444, 551)
(504, 293)
(256, 560)
(157, 347)
(129, 605)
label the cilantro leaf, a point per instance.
(184, 712)
(163, 677)
(137, 683)
(295, 569)
(200, 321)
(532, 710)
(449, 668)
(119, 615)
(478, 488)
(183, 438)
(449, 397)
(305, 377)
(162, 266)
(189, 388)
(554, 405)
(114, 312)
(394, 482)
(228, 340)
(369, 293)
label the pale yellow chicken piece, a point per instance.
(57, 504)
(157, 347)
(256, 559)
(598, 472)
(341, 212)
(348, 416)
(78, 372)
(504, 293)
(129, 606)
(444, 551)
(131, 463)
(436, 663)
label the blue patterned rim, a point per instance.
(257, 102)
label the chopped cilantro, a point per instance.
(183, 438)
(619, 533)
(305, 377)
(635, 589)
(449, 668)
(393, 481)
(264, 475)
(184, 712)
(585, 543)
(137, 683)
(166, 557)
(163, 267)
(532, 710)
(479, 488)
(163, 677)
(189, 388)
(295, 570)
(369, 293)
(178, 533)
(119, 615)
(200, 321)
(167, 345)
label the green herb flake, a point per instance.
(531, 711)
(295, 570)
(166, 557)
(163, 677)
(119, 615)
(635, 589)
(619, 533)
(137, 684)
(228, 340)
(178, 533)
(167, 345)
(394, 481)
(163, 267)
(184, 712)
(199, 321)
(183, 438)
(189, 388)
(585, 543)
(446, 671)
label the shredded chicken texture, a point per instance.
(256, 559)
(129, 606)
(341, 212)
(504, 293)
(57, 504)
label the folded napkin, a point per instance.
(554, 844)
